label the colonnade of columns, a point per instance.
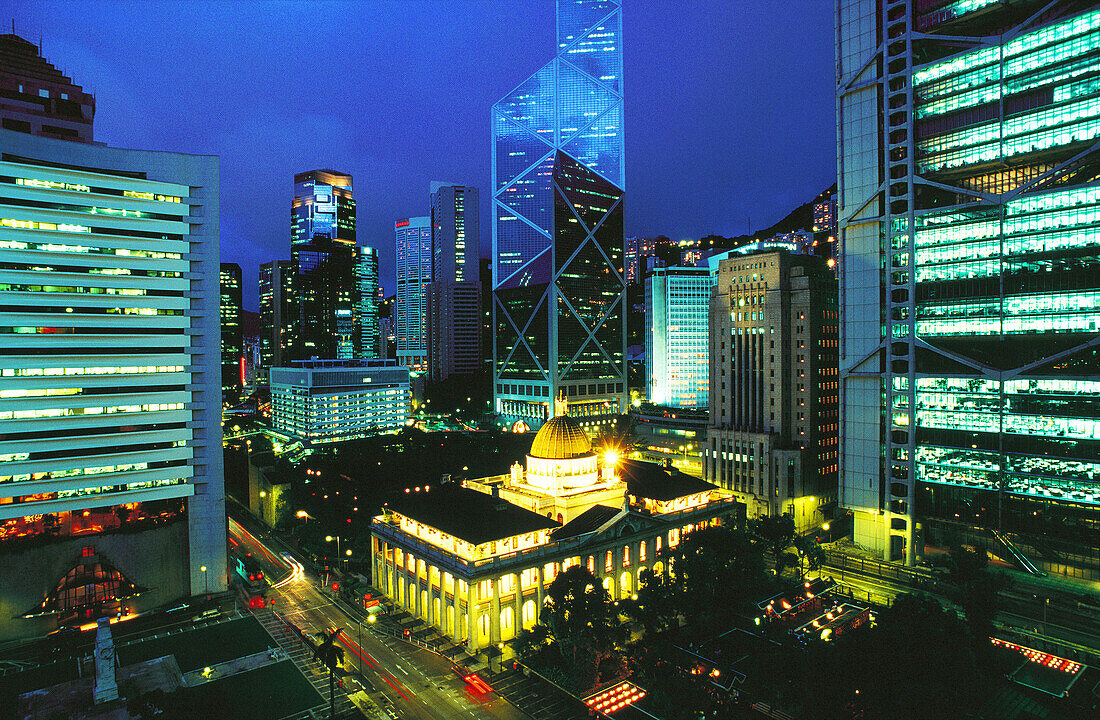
(445, 601)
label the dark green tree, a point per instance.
(776, 533)
(331, 656)
(585, 626)
(714, 569)
(656, 607)
(810, 555)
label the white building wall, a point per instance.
(116, 323)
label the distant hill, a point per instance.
(801, 218)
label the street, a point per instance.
(404, 680)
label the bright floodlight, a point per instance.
(611, 457)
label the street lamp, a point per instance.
(205, 580)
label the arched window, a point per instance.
(608, 562)
(626, 556)
(641, 551)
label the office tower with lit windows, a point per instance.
(325, 289)
(328, 401)
(36, 98)
(453, 296)
(970, 256)
(366, 318)
(676, 340)
(559, 322)
(414, 271)
(772, 436)
(110, 382)
(276, 294)
(232, 342)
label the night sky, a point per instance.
(729, 103)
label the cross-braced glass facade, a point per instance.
(982, 255)
(558, 184)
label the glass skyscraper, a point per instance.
(414, 271)
(676, 336)
(232, 343)
(366, 317)
(970, 249)
(559, 324)
(323, 251)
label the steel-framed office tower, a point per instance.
(969, 208)
(111, 483)
(559, 323)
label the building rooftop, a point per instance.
(561, 438)
(588, 521)
(657, 482)
(468, 514)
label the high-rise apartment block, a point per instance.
(676, 339)
(276, 294)
(323, 256)
(558, 184)
(772, 437)
(36, 98)
(453, 297)
(366, 319)
(232, 342)
(414, 272)
(970, 258)
(111, 483)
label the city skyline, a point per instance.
(266, 137)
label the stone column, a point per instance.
(471, 618)
(494, 613)
(517, 612)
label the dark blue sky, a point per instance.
(729, 103)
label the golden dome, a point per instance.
(561, 438)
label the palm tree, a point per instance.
(331, 655)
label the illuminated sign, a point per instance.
(401, 224)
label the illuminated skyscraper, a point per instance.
(111, 483)
(453, 297)
(276, 294)
(559, 324)
(970, 257)
(676, 339)
(366, 318)
(414, 272)
(322, 250)
(232, 343)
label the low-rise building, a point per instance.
(475, 559)
(325, 401)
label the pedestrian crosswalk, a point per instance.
(314, 671)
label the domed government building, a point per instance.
(474, 558)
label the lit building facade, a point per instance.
(676, 336)
(276, 293)
(325, 289)
(414, 272)
(366, 272)
(772, 437)
(970, 259)
(111, 483)
(453, 298)
(327, 401)
(36, 98)
(475, 560)
(559, 321)
(232, 341)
